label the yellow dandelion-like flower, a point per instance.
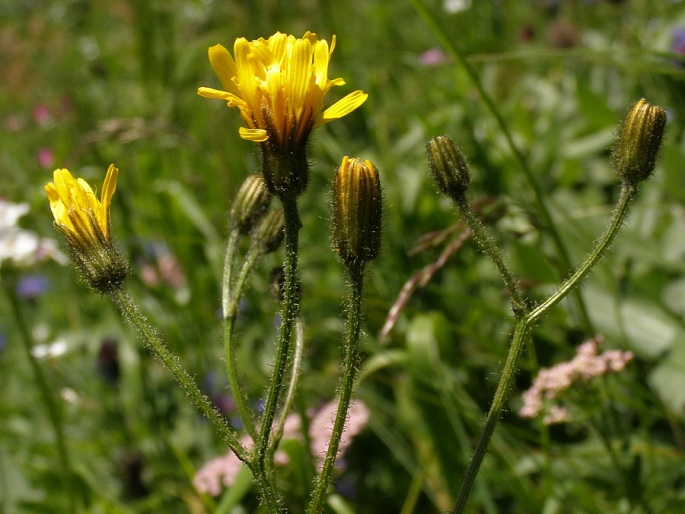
(84, 220)
(279, 85)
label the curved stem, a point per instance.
(289, 311)
(522, 333)
(346, 384)
(292, 386)
(628, 194)
(46, 394)
(489, 246)
(543, 209)
(226, 293)
(230, 310)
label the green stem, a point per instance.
(227, 294)
(346, 384)
(149, 334)
(522, 333)
(292, 386)
(488, 245)
(430, 19)
(125, 305)
(501, 394)
(628, 194)
(289, 312)
(46, 394)
(230, 310)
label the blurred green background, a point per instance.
(88, 83)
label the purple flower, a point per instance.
(432, 57)
(32, 286)
(678, 41)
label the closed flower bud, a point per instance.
(639, 138)
(270, 231)
(250, 204)
(356, 211)
(448, 166)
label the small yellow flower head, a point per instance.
(639, 138)
(85, 223)
(356, 211)
(250, 204)
(279, 85)
(448, 166)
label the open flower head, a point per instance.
(279, 85)
(84, 220)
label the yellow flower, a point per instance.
(279, 85)
(77, 211)
(357, 206)
(85, 223)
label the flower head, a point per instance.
(85, 223)
(279, 85)
(356, 214)
(638, 142)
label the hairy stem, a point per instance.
(522, 333)
(346, 384)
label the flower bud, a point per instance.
(448, 166)
(356, 211)
(250, 204)
(637, 145)
(270, 231)
(84, 220)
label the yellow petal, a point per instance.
(108, 189)
(224, 66)
(256, 135)
(343, 107)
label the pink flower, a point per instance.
(46, 157)
(551, 382)
(221, 471)
(42, 114)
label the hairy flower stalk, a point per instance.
(637, 150)
(84, 220)
(356, 220)
(279, 85)
(450, 171)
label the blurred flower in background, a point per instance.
(46, 157)
(20, 247)
(159, 267)
(221, 472)
(678, 45)
(32, 286)
(433, 57)
(42, 115)
(552, 382)
(455, 6)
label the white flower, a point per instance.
(22, 247)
